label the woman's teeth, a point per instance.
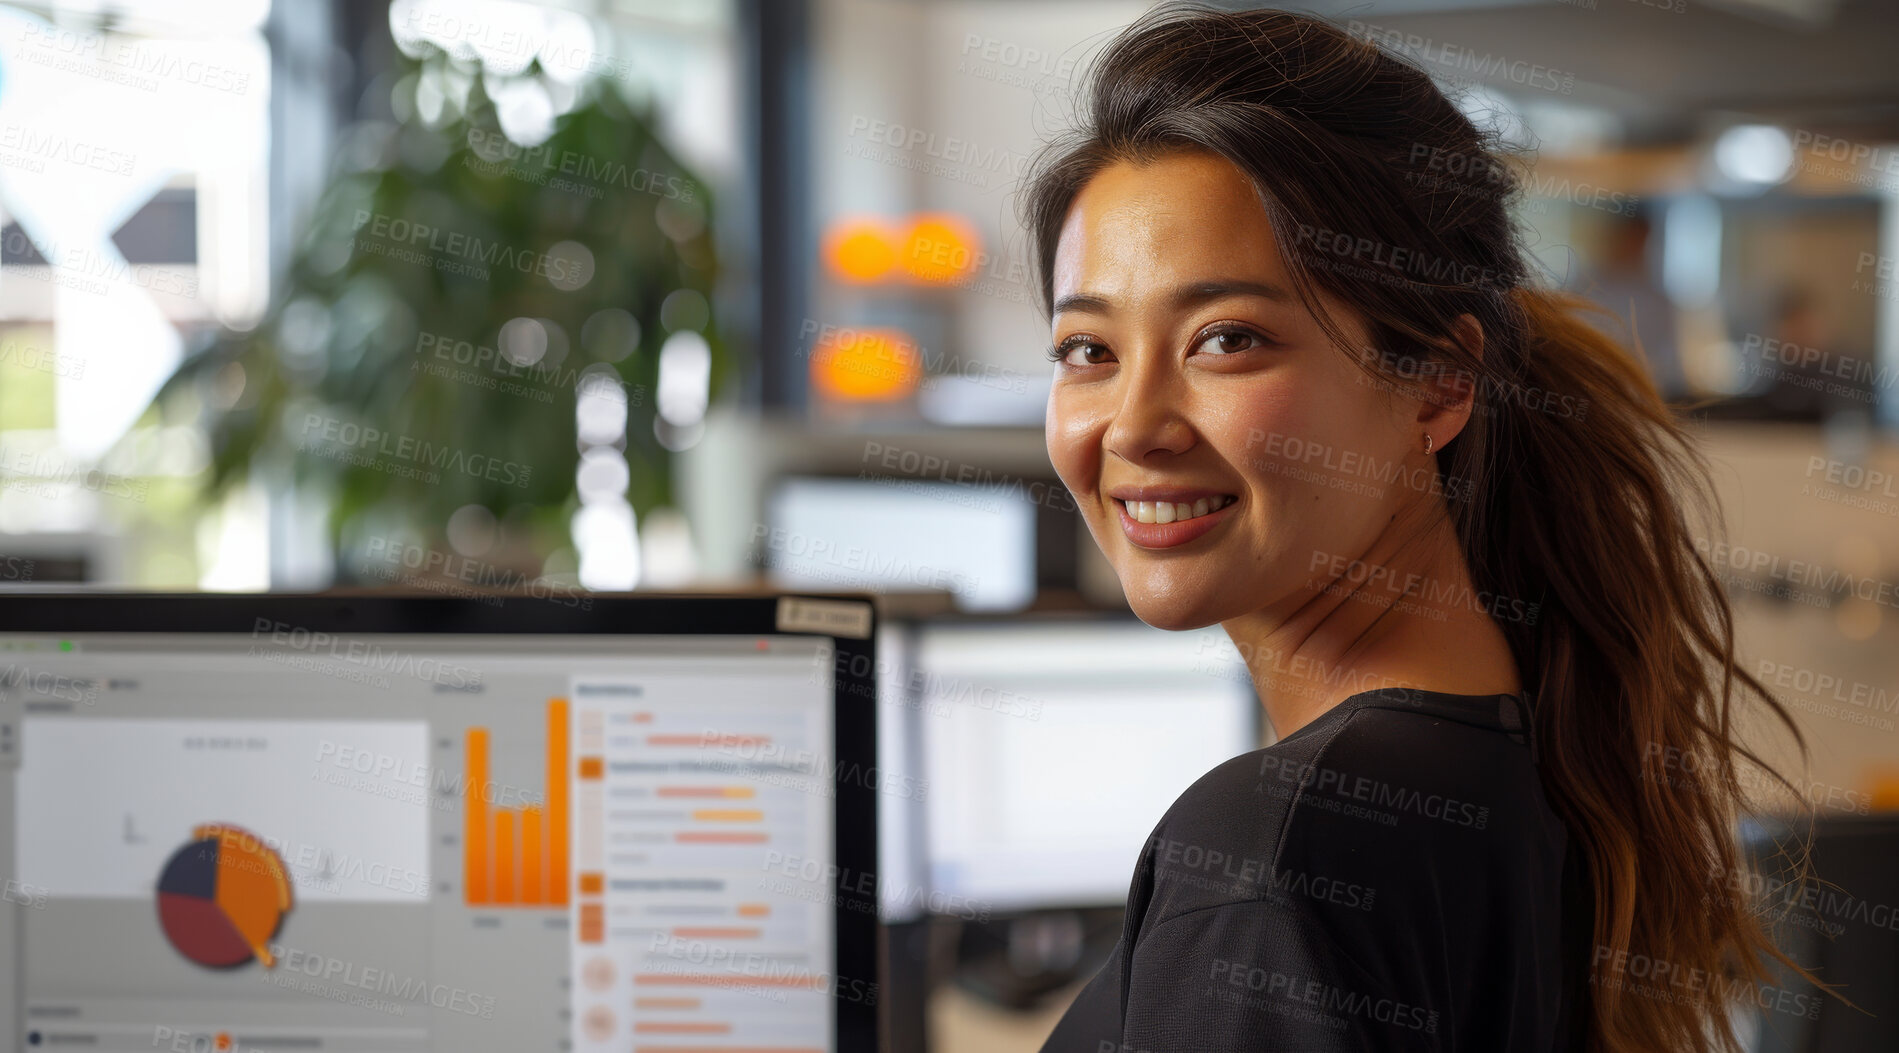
(1173, 511)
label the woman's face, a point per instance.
(1190, 375)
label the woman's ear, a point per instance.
(1451, 393)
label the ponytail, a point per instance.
(1638, 697)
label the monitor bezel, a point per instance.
(854, 723)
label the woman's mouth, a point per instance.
(1165, 524)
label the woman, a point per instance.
(1305, 389)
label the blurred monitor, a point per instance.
(1052, 748)
(1844, 928)
(977, 542)
(380, 823)
(62, 558)
(902, 870)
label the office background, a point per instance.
(625, 294)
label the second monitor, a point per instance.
(1052, 748)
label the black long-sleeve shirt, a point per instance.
(1387, 877)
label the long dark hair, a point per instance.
(1586, 495)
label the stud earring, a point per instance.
(1427, 446)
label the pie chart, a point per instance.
(222, 896)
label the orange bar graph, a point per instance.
(713, 837)
(721, 980)
(704, 791)
(708, 740)
(557, 831)
(506, 864)
(477, 861)
(518, 856)
(533, 858)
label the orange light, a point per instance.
(860, 249)
(1883, 788)
(866, 365)
(941, 247)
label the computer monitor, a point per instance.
(1051, 749)
(975, 541)
(1842, 924)
(373, 823)
(902, 869)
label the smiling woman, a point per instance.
(1305, 389)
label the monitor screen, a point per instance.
(288, 839)
(1052, 750)
(890, 532)
(901, 881)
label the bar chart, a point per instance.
(517, 856)
(688, 801)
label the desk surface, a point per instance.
(962, 1024)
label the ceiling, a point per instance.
(1672, 75)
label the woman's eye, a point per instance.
(1230, 341)
(1090, 353)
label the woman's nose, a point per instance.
(1148, 418)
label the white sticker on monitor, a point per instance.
(831, 617)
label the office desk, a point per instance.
(961, 1024)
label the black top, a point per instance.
(1387, 877)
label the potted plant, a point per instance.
(457, 297)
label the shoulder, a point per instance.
(1412, 770)
(1350, 886)
(1379, 794)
